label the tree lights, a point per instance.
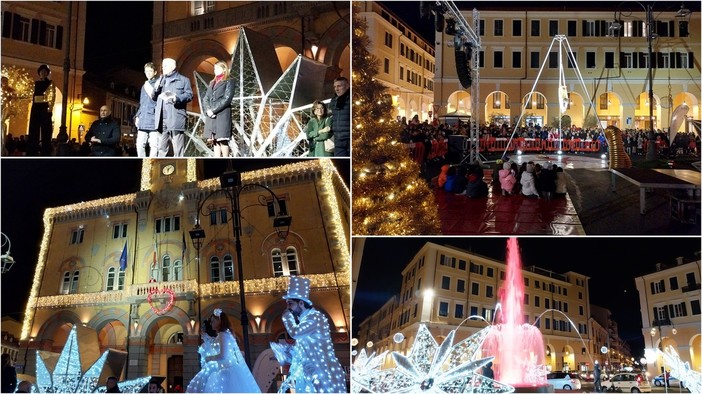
(390, 198)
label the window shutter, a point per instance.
(684, 308)
(6, 24)
(671, 311)
(690, 59)
(655, 311)
(59, 37)
(42, 33)
(34, 31)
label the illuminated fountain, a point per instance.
(517, 346)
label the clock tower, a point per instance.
(160, 174)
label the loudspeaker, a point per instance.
(451, 27)
(463, 68)
(457, 146)
(439, 21)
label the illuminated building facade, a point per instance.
(406, 60)
(153, 308)
(443, 285)
(516, 44)
(670, 312)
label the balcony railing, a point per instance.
(180, 288)
(691, 287)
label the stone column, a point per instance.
(191, 358)
(138, 357)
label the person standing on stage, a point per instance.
(174, 93)
(40, 122)
(145, 119)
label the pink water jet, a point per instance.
(518, 347)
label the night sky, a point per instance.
(118, 33)
(612, 263)
(31, 185)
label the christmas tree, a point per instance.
(389, 195)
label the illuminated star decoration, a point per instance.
(363, 365)
(681, 370)
(445, 368)
(67, 376)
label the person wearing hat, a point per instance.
(314, 367)
(40, 123)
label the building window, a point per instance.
(77, 236)
(534, 59)
(581, 310)
(69, 285)
(119, 230)
(461, 286)
(386, 66)
(110, 279)
(572, 28)
(285, 264)
(481, 27)
(218, 216)
(590, 60)
(499, 27)
(445, 283)
(462, 265)
(490, 272)
(537, 301)
(228, 265)
(214, 269)
(475, 288)
(547, 303)
(178, 270)
(402, 73)
(553, 60)
(526, 299)
(166, 268)
(674, 283)
(516, 59)
(516, 28)
(167, 224)
(203, 7)
(695, 307)
(476, 268)
(443, 309)
(497, 59)
(388, 40)
(488, 291)
(609, 59)
(535, 28)
(458, 313)
(657, 287)
(552, 28)
(272, 206)
(23, 29)
(474, 311)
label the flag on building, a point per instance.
(123, 259)
(182, 257)
(153, 264)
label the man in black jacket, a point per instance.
(340, 107)
(104, 134)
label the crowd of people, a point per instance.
(635, 140)
(161, 120)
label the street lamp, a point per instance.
(231, 187)
(7, 260)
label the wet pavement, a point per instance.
(591, 207)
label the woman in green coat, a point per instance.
(318, 130)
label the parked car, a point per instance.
(672, 381)
(564, 381)
(628, 382)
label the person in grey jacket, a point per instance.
(217, 105)
(145, 119)
(174, 93)
(104, 134)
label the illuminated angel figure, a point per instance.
(223, 369)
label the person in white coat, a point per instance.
(314, 367)
(528, 182)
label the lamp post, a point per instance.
(231, 187)
(664, 321)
